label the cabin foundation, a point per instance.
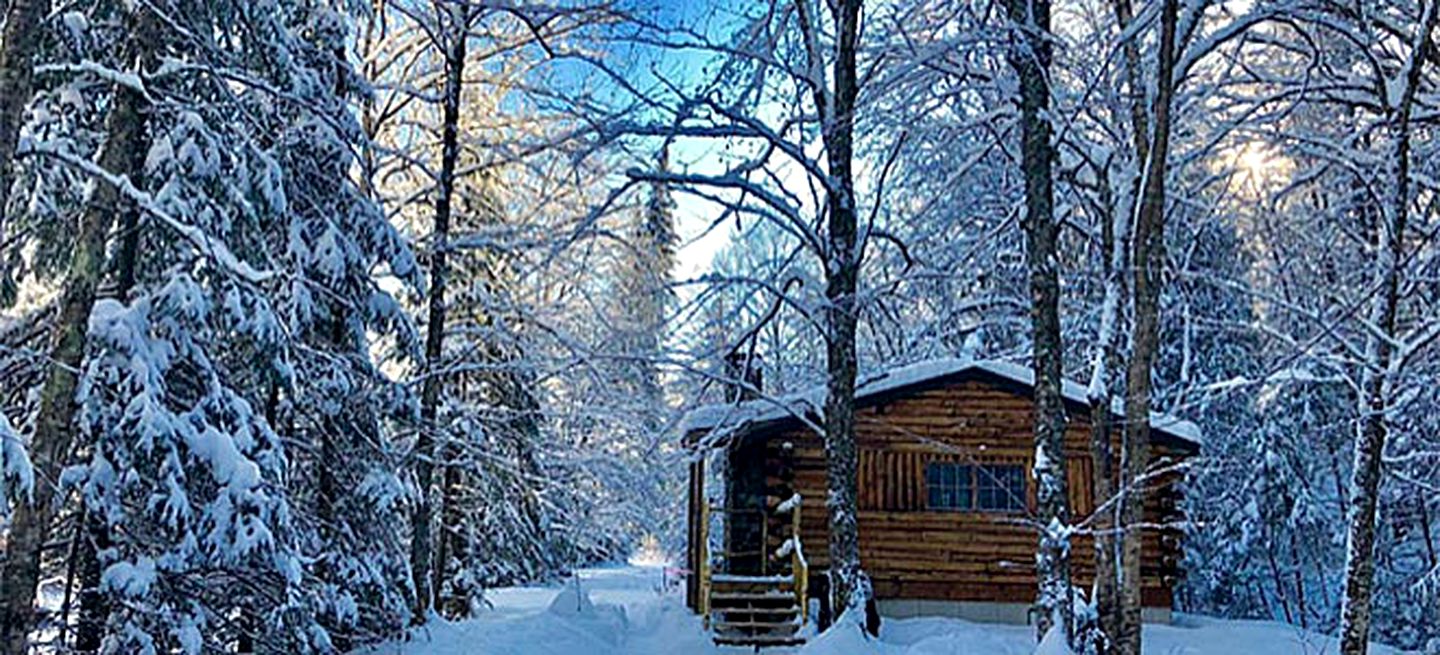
(983, 612)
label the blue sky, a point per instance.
(643, 66)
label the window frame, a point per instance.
(962, 485)
(992, 477)
(977, 480)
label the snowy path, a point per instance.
(629, 616)
(626, 614)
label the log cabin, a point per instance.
(945, 498)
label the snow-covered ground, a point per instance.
(625, 610)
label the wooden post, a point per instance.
(764, 543)
(703, 570)
(694, 532)
(799, 568)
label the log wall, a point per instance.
(913, 552)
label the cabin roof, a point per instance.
(752, 416)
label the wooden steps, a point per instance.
(755, 611)
(758, 611)
(757, 641)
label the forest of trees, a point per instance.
(321, 318)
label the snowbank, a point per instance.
(626, 611)
(614, 611)
(1190, 635)
(572, 601)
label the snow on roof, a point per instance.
(735, 416)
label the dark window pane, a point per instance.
(1001, 488)
(934, 486)
(964, 485)
(948, 486)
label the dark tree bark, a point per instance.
(17, 73)
(92, 532)
(849, 587)
(1030, 56)
(1355, 610)
(1134, 85)
(53, 442)
(1102, 421)
(451, 545)
(427, 566)
(1149, 261)
(92, 536)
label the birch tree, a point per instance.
(1149, 262)
(1380, 359)
(1315, 163)
(1107, 357)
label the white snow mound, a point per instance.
(572, 601)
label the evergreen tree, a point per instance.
(641, 309)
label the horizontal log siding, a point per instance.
(911, 552)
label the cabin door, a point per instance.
(744, 507)
(761, 477)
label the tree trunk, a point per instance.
(17, 74)
(849, 587)
(451, 601)
(1107, 360)
(1375, 384)
(1030, 56)
(428, 570)
(51, 447)
(92, 532)
(1108, 357)
(1149, 262)
(1135, 84)
(93, 536)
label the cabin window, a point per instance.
(1000, 488)
(956, 486)
(951, 485)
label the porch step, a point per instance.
(757, 611)
(750, 596)
(759, 642)
(752, 585)
(725, 578)
(752, 625)
(772, 614)
(759, 617)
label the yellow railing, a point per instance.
(703, 602)
(799, 567)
